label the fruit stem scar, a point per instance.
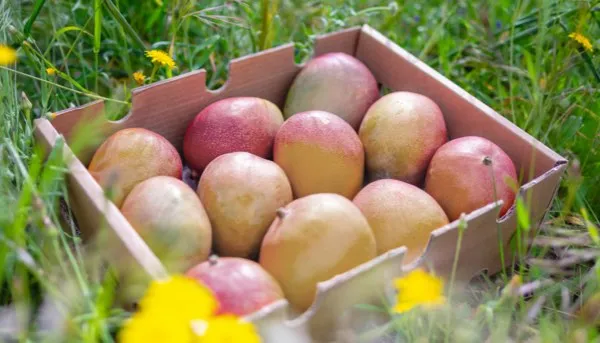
(212, 260)
(487, 161)
(282, 212)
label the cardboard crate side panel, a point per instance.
(93, 211)
(464, 114)
(538, 196)
(267, 74)
(478, 248)
(69, 119)
(538, 193)
(341, 41)
(272, 324)
(333, 308)
(80, 123)
(44, 134)
(167, 107)
(107, 213)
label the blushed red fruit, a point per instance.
(320, 153)
(464, 172)
(241, 193)
(400, 134)
(130, 156)
(233, 124)
(334, 82)
(313, 239)
(170, 218)
(241, 286)
(400, 214)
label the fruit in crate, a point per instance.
(130, 156)
(170, 218)
(241, 286)
(320, 153)
(400, 214)
(233, 124)
(241, 193)
(334, 82)
(400, 134)
(313, 239)
(468, 173)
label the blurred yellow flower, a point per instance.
(144, 328)
(583, 40)
(180, 297)
(139, 77)
(225, 329)
(181, 310)
(161, 57)
(8, 55)
(50, 71)
(418, 288)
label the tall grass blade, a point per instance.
(269, 9)
(114, 12)
(36, 11)
(97, 39)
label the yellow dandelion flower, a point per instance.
(139, 77)
(8, 55)
(225, 329)
(50, 71)
(583, 40)
(161, 57)
(144, 327)
(180, 297)
(418, 288)
(51, 115)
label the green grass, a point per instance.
(515, 56)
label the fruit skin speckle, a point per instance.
(320, 153)
(460, 180)
(334, 82)
(233, 124)
(400, 134)
(130, 156)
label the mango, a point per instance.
(468, 173)
(241, 286)
(241, 193)
(170, 218)
(313, 239)
(320, 153)
(400, 134)
(334, 82)
(130, 156)
(233, 124)
(400, 214)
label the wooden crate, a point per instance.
(167, 107)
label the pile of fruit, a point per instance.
(291, 197)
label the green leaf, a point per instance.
(68, 29)
(522, 214)
(36, 11)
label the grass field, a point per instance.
(519, 57)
